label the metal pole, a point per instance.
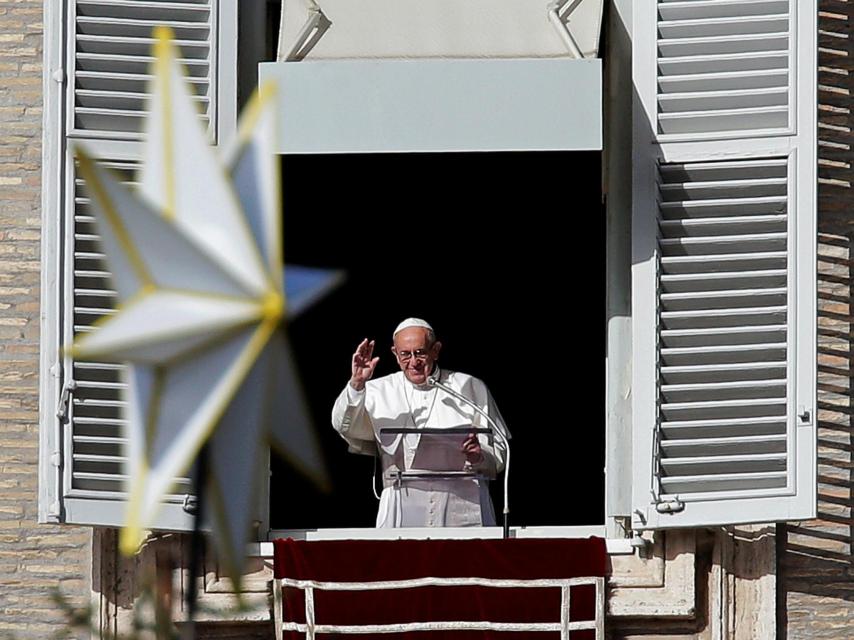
(197, 543)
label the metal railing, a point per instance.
(311, 628)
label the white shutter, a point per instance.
(108, 56)
(722, 326)
(724, 66)
(94, 485)
(111, 55)
(723, 298)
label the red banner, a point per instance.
(384, 560)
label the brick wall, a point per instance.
(33, 558)
(816, 573)
(815, 558)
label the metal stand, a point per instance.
(402, 476)
(197, 542)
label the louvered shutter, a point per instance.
(93, 480)
(723, 262)
(108, 58)
(724, 67)
(110, 61)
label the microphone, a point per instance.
(434, 382)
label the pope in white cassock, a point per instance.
(418, 491)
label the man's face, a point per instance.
(415, 354)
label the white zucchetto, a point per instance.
(412, 322)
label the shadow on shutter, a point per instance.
(722, 326)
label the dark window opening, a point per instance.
(504, 253)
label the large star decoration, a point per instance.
(196, 259)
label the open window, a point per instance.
(478, 245)
(720, 362)
(440, 163)
(504, 249)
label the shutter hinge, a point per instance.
(191, 504)
(59, 76)
(54, 511)
(56, 459)
(670, 506)
(639, 542)
(65, 399)
(804, 416)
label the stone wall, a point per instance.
(33, 558)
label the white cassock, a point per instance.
(394, 402)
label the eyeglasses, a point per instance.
(405, 356)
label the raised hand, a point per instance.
(363, 364)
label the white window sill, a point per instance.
(615, 546)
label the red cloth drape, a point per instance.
(362, 560)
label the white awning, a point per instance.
(440, 28)
(413, 76)
(381, 106)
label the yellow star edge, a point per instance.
(165, 55)
(273, 305)
(264, 97)
(319, 478)
(164, 58)
(224, 547)
(93, 183)
(80, 350)
(131, 535)
(271, 310)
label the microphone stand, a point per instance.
(433, 382)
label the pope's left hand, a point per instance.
(471, 449)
